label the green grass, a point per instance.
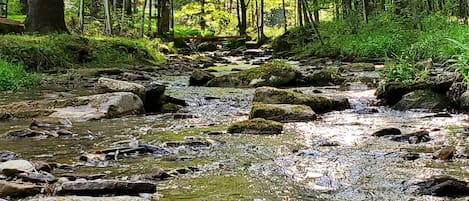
(385, 37)
(13, 76)
(55, 52)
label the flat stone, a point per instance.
(88, 198)
(9, 189)
(445, 153)
(103, 187)
(282, 112)
(106, 85)
(12, 167)
(442, 185)
(386, 132)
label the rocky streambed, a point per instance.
(348, 149)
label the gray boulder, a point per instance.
(282, 112)
(423, 99)
(106, 85)
(100, 106)
(319, 104)
(12, 167)
(88, 198)
(200, 78)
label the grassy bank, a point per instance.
(13, 76)
(381, 37)
(56, 52)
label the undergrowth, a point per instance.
(55, 52)
(13, 76)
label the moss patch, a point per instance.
(256, 126)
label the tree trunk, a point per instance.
(45, 16)
(202, 13)
(284, 16)
(95, 7)
(24, 7)
(163, 17)
(243, 24)
(316, 11)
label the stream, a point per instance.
(332, 158)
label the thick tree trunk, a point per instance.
(202, 13)
(243, 24)
(163, 17)
(45, 16)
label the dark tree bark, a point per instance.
(45, 16)
(163, 17)
(24, 6)
(243, 23)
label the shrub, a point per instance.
(13, 76)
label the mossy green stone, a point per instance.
(256, 126)
(282, 112)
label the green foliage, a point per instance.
(383, 36)
(402, 71)
(52, 52)
(462, 60)
(13, 76)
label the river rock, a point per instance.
(282, 112)
(37, 177)
(319, 104)
(256, 126)
(200, 78)
(412, 138)
(445, 153)
(88, 198)
(107, 85)
(358, 67)
(269, 74)
(103, 187)
(154, 97)
(7, 155)
(387, 132)
(11, 167)
(9, 189)
(463, 101)
(443, 185)
(100, 106)
(207, 47)
(392, 92)
(324, 77)
(423, 99)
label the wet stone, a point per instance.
(443, 185)
(386, 132)
(412, 138)
(445, 153)
(411, 156)
(104, 187)
(12, 167)
(9, 189)
(7, 155)
(256, 126)
(37, 177)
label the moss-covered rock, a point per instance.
(325, 77)
(270, 74)
(282, 112)
(256, 126)
(200, 78)
(423, 99)
(319, 104)
(358, 67)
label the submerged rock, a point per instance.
(200, 78)
(106, 85)
(282, 112)
(270, 74)
(103, 187)
(7, 155)
(423, 99)
(9, 189)
(256, 126)
(412, 138)
(443, 185)
(319, 104)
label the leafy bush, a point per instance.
(402, 71)
(13, 76)
(462, 60)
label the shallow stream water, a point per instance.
(291, 166)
